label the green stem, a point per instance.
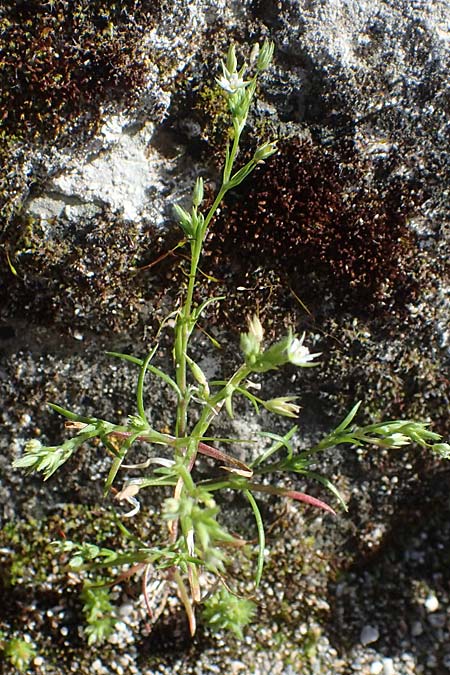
(214, 405)
(184, 325)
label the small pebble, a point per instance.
(431, 661)
(126, 609)
(416, 629)
(369, 634)
(376, 668)
(388, 667)
(437, 620)
(431, 603)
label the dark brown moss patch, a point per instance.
(61, 58)
(62, 62)
(311, 216)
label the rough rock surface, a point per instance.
(367, 593)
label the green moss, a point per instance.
(19, 653)
(99, 613)
(404, 380)
(85, 280)
(28, 560)
(211, 108)
(62, 63)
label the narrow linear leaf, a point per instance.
(166, 378)
(345, 422)
(253, 400)
(73, 417)
(215, 343)
(184, 597)
(329, 485)
(199, 310)
(292, 494)
(126, 357)
(229, 407)
(117, 461)
(261, 536)
(140, 384)
(10, 265)
(281, 441)
(307, 499)
(221, 456)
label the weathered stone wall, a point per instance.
(359, 98)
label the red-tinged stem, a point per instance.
(145, 592)
(203, 449)
(292, 494)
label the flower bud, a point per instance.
(33, 446)
(255, 328)
(184, 219)
(442, 449)
(250, 347)
(199, 375)
(395, 440)
(254, 53)
(231, 60)
(265, 151)
(197, 196)
(171, 508)
(265, 55)
(283, 406)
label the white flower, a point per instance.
(255, 328)
(298, 354)
(231, 82)
(394, 441)
(398, 440)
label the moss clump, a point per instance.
(28, 561)
(311, 216)
(85, 280)
(99, 613)
(404, 379)
(63, 57)
(19, 653)
(62, 62)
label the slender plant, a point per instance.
(197, 553)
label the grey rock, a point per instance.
(369, 634)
